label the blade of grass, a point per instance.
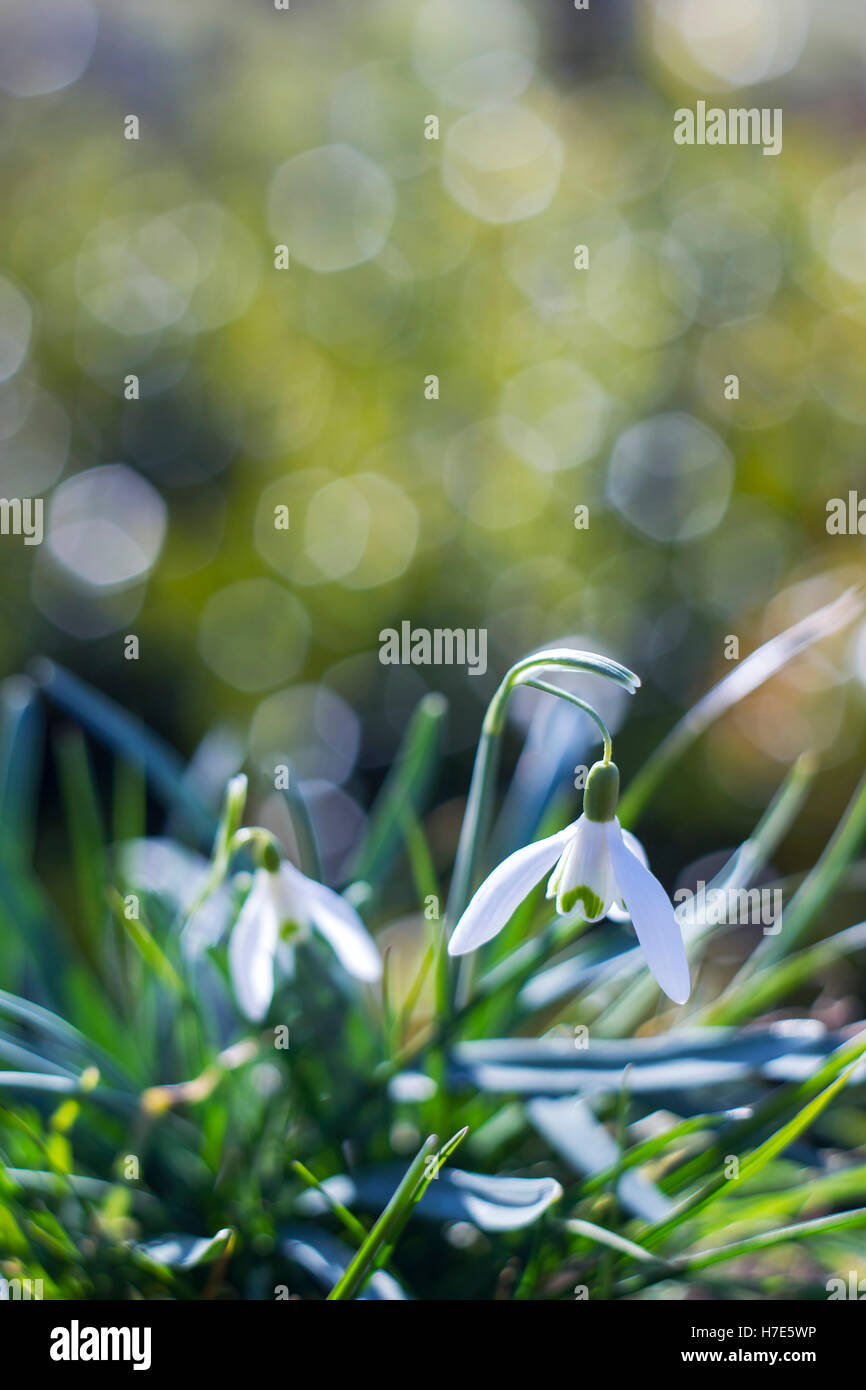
(362, 1265)
(650, 1148)
(129, 738)
(601, 1236)
(758, 993)
(752, 1163)
(349, 1220)
(427, 888)
(86, 833)
(815, 892)
(379, 1244)
(688, 1265)
(783, 1100)
(430, 1171)
(50, 1025)
(407, 783)
(751, 673)
(305, 835)
(147, 947)
(129, 820)
(21, 734)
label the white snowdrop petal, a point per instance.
(337, 922)
(652, 914)
(616, 912)
(633, 844)
(587, 876)
(252, 946)
(503, 892)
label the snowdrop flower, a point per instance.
(282, 896)
(597, 864)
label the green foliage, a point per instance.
(153, 1144)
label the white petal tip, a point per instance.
(372, 974)
(679, 996)
(676, 986)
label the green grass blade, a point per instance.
(822, 881)
(765, 1240)
(602, 1236)
(309, 858)
(751, 673)
(147, 947)
(786, 1099)
(348, 1218)
(758, 993)
(21, 735)
(380, 1242)
(407, 784)
(753, 1162)
(431, 1171)
(130, 739)
(684, 1265)
(87, 836)
(352, 1280)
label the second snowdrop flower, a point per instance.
(282, 896)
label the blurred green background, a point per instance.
(454, 257)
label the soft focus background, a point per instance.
(454, 257)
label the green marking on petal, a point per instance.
(591, 902)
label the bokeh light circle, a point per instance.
(312, 728)
(45, 44)
(475, 52)
(564, 405)
(502, 163)
(254, 634)
(332, 207)
(106, 526)
(734, 44)
(360, 531)
(496, 472)
(670, 478)
(136, 274)
(16, 323)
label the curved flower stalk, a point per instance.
(282, 897)
(597, 864)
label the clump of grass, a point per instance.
(153, 1143)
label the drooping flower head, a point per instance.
(596, 864)
(282, 898)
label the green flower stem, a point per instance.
(231, 815)
(582, 705)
